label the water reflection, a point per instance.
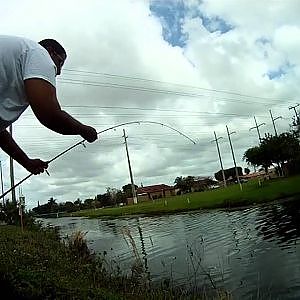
(143, 250)
(252, 253)
(111, 226)
(280, 222)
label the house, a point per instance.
(253, 175)
(272, 173)
(201, 183)
(261, 175)
(152, 192)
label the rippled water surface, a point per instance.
(253, 253)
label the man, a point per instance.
(27, 78)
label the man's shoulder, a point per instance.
(19, 42)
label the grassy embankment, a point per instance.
(220, 198)
(35, 264)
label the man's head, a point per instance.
(56, 51)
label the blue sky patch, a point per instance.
(263, 40)
(172, 14)
(279, 72)
(273, 74)
(214, 24)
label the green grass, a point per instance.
(220, 198)
(36, 265)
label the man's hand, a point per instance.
(89, 133)
(35, 166)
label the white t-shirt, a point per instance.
(20, 59)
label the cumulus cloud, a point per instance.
(207, 63)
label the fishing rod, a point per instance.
(82, 143)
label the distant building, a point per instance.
(202, 183)
(152, 192)
(272, 173)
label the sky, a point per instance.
(196, 66)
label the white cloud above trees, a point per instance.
(125, 38)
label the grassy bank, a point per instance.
(35, 264)
(231, 196)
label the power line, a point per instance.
(129, 87)
(155, 90)
(161, 115)
(170, 83)
(97, 115)
(38, 141)
(154, 109)
(176, 116)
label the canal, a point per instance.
(253, 253)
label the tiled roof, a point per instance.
(154, 188)
(201, 178)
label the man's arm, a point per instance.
(7, 143)
(41, 96)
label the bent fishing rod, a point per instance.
(82, 143)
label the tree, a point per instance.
(120, 197)
(282, 148)
(293, 166)
(257, 156)
(296, 126)
(50, 207)
(88, 203)
(78, 203)
(274, 149)
(189, 180)
(69, 206)
(53, 206)
(127, 190)
(105, 199)
(116, 195)
(9, 213)
(179, 182)
(184, 183)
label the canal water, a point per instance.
(253, 253)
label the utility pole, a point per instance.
(233, 157)
(2, 186)
(134, 195)
(257, 128)
(12, 176)
(220, 158)
(294, 108)
(273, 121)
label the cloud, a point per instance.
(200, 63)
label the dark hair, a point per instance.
(56, 46)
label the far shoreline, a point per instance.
(229, 199)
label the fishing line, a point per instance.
(82, 143)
